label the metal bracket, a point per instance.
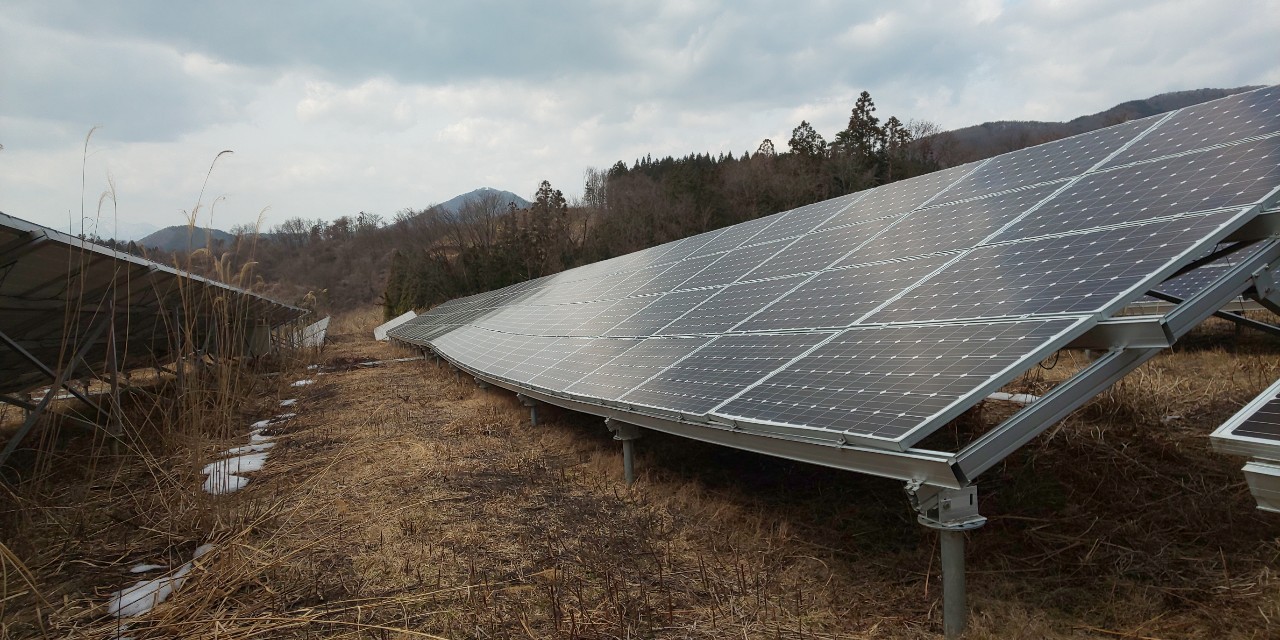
(1130, 332)
(623, 431)
(1266, 285)
(945, 509)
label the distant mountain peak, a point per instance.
(452, 205)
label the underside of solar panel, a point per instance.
(870, 321)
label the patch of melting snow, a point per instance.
(312, 367)
(262, 424)
(258, 438)
(249, 448)
(303, 383)
(144, 595)
(247, 463)
(143, 568)
(289, 403)
(220, 482)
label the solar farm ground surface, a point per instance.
(403, 498)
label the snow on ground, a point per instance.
(247, 463)
(303, 383)
(220, 482)
(144, 595)
(258, 438)
(289, 403)
(143, 568)
(249, 448)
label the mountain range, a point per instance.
(454, 204)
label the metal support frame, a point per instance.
(627, 433)
(60, 381)
(1225, 315)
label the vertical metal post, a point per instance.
(952, 512)
(627, 433)
(533, 407)
(955, 610)
(629, 461)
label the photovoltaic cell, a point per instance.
(1072, 274)
(836, 299)
(898, 197)
(658, 313)
(622, 374)
(686, 247)
(730, 306)
(735, 236)
(949, 227)
(893, 383)
(714, 373)
(674, 275)
(616, 312)
(588, 356)
(804, 219)
(1243, 115)
(1049, 162)
(819, 250)
(1230, 176)
(733, 265)
(535, 356)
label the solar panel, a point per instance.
(729, 306)
(1237, 117)
(819, 250)
(732, 265)
(719, 370)
(1050, 162)
(1230, 176)
(57, 291)
(804, 219)
(895, 383)
(622, 374)
(1264, 423)
(586, 356)
(899, 197)
(658, 313)
(1255, 429)
(677, 273)
(1083, 273)
(959, 225)
(839, 298)
(735, 236)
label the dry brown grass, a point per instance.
(404, 503)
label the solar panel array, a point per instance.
(57, 291)
(1255, 429)
(877, 317)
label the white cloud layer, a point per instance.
(335, 108)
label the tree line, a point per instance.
(626, 208)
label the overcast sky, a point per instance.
(336, 108)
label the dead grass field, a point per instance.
(405, 503)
